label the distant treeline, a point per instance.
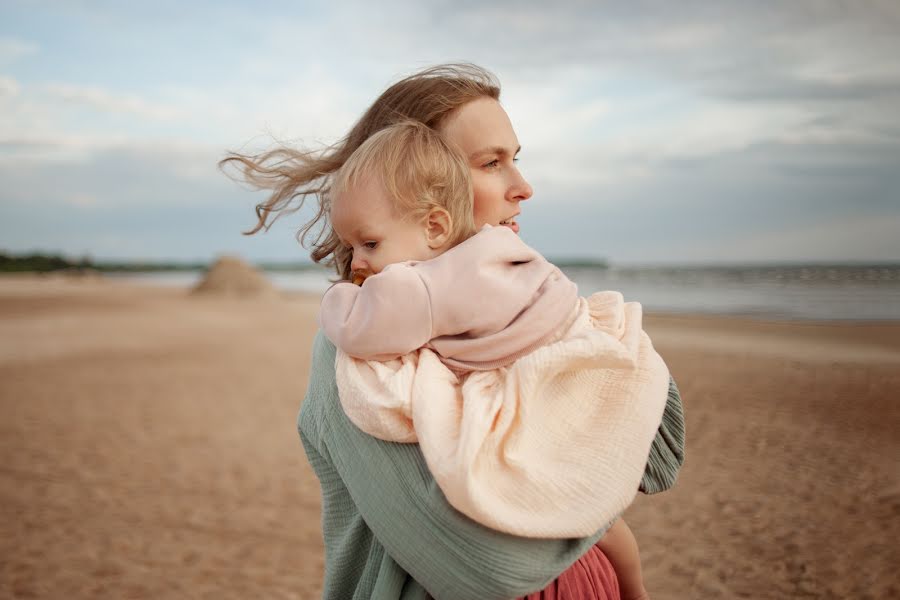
(41, 263)
(44, 263)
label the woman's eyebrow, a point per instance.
(499, 150)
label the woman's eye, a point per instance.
(370, 245)
(492, 164)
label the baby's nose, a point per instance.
(358, 265)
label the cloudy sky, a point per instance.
(656, 132)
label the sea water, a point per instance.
(820, 292)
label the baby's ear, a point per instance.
(438, 225)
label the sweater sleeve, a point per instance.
(667, 450)
(450, 555)
(388, 316)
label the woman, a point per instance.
(389, 532)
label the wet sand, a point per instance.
(150, 451)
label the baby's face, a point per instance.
(367, 224)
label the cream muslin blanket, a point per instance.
(553, 445)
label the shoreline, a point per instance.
(124, 283)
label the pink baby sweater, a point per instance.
(480, 305)
(534, 408)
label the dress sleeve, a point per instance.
(388, 316)
(450, 555)
(667, 450)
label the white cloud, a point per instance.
(591, 147)
(105, 100)
(12, 49)
(54, 146)
(687, 36)
(124, 176)
(85, 201)
(9, 87)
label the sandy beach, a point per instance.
(150, 451)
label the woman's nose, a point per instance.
(519, 189)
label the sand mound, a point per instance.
(232, 276)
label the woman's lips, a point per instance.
(511, 224)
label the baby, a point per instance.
(534, 408)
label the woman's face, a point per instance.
(482, 130)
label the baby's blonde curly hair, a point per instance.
(419, 172)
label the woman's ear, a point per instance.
(438, 226)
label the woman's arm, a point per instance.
(439, 547)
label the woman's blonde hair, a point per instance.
(427, 97)
(419, 172)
